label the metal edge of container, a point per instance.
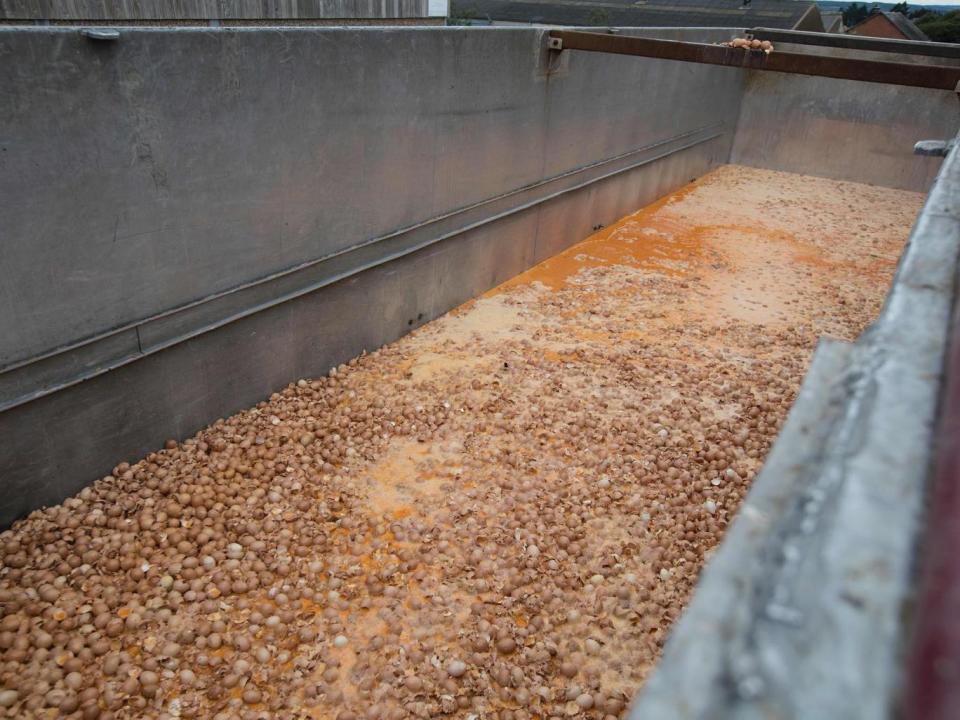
(931, 690)
(940, 77)
(857, 42)
(803, 611)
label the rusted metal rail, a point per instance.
(939, 77)
(857, 42)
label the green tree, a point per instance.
(901, 8)
(941, 27)
(464, 16)
(854, 13)
(599, 16)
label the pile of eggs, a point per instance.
(747, 44)
(508, 536)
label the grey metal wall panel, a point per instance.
(58, 443)
(191, 162)
(41, 376)
(151, 172)
(212, 196)
(605, 202)
(843, 129)
(641, 101)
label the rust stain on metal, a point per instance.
(940, 77)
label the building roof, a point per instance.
(832, 21)
(904, 24)
(640, 13)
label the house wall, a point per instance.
(878, 26)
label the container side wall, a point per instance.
(843, 129)
(194, 218)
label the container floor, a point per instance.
(498, 516)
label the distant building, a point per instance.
(832, 22)
(888, 25)
(781, 14)
(220, 12)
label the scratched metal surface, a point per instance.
(146, 174)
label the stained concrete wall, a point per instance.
(193, 218)
(844, 129)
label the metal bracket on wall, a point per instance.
(551, 59)
(933, 148)
(107, 34)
